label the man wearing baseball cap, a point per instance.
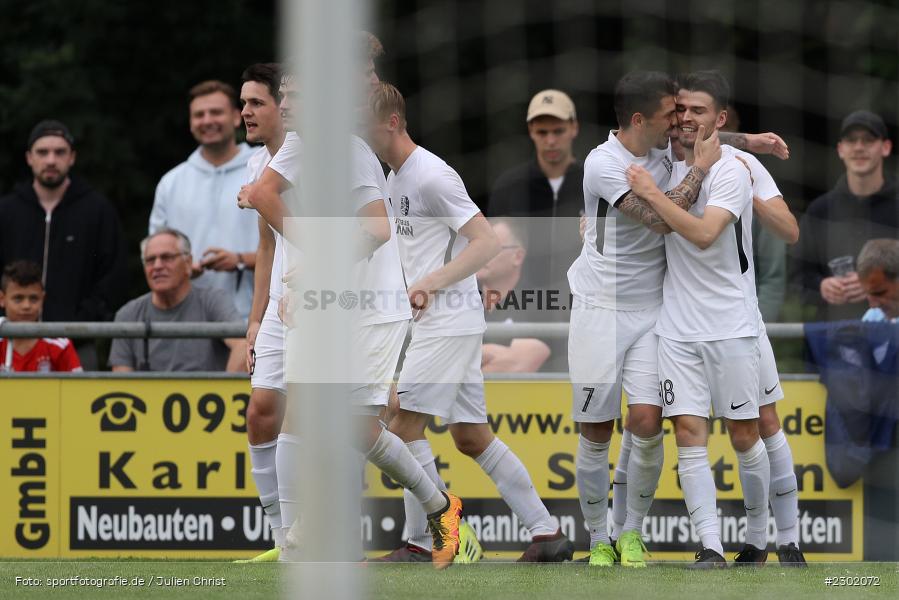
(547, 194)
(72, 231)
(862, 206)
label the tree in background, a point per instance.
(117, 73)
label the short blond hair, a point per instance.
(386, 100)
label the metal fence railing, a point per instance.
(237, 329)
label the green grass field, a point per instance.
(486, 580)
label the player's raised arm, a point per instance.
(757, 143)
(684, 195)
(700, 231)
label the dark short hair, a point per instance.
(50, 127)
(268, 74)
(641, 92)
(712, 83)
(22, 273)
(204, 88)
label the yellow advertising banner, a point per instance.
(159, 468)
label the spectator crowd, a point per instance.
(63, 250)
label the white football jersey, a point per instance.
(763, 185)
(622, 263)
(286, 163)
(381, 276)
(255, 167)
(431, 205)
(710, 294)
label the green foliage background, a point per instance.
(117, 73)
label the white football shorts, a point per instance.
(270, 343)
(770, 390)
(442, 376)
(721, 377)
(379, 349)
(610, 350)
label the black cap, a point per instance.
(50, 127)
(866, 120)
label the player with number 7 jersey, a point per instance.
(617, 288)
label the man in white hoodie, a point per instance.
(197, 197)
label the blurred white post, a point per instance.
(318, 36)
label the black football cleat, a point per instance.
(750, 556)
(548, 548)
(708, 559)
(791, 556)
(410, 553)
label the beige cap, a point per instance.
(552, 103)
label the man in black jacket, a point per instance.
(864, 205)
(60, 222)
(548, 189)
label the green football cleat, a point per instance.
(602, 555)
(631, 549)
(268, 556)
(470, 550)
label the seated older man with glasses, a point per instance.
(167, 260)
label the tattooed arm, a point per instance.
(684, 195)
(706, 151)
(730, 197)
(757, 143)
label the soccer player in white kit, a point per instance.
(617, 286)
(378, 334)
(444, 239)
(260, 98)
(708, 325)
(769, 208)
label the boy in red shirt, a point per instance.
(22, 297)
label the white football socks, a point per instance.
(515, 486)
(755, 475)
(416, 517)
(286, 459)
(391, 455)
(699, 495)
(592, 472)
(783, 493)
(262, 460)
(619, 485)
(644, 470)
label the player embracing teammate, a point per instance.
(617, 288)
(710, 330)
(617, 283)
